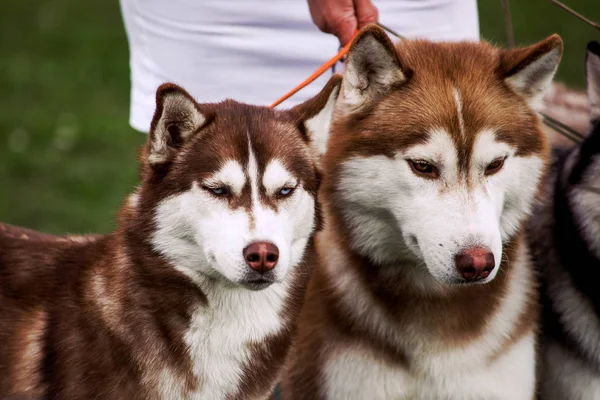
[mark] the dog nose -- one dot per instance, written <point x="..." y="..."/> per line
<point x="475" y="263"/>
<point x="261" y="256"/>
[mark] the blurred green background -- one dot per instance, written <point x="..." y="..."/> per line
<point x="67" y="153"/>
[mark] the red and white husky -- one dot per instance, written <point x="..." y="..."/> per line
<point x="424" y="288"/>
<point x="195" y="295"/>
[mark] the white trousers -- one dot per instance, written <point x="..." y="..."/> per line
<point x="255" y="51"/>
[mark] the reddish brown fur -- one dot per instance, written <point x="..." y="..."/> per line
<point x="404" y="116"/>
<point x="399" y="119"/>
<point x="100" y="316"/>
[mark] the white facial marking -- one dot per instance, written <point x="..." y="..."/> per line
<point x="230" y="175"/>
<point x="430" y="221"/>
<point x="458" y="101"/>
<point x="253" y="175"/>
<point x="203" y="236"/>
<point x="276" y="176"/>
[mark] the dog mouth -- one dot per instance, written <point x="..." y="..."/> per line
<point x="257" y="284"/>
<point x="465" y="282"/>
<point x="254" y="280"/>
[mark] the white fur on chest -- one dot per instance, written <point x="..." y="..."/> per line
<point x="437" y="369"/>
<point x="356" y="374"/>
<point x="221" y="335"/>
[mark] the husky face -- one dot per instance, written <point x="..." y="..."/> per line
<point x="581" y="175"/>
<point x="423" y="206"/>
<point x="436" y="155"/>
<point x="232" y="187"/>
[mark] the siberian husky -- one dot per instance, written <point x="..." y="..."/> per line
<point x="424" y="288"/>
<point x="565" y="239"/>
<point x="195" y="295"/>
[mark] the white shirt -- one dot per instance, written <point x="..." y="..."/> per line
<point x="255" y="51"/>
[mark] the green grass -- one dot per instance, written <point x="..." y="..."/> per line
<point x="67" y="153"/>
<point x="534" y="20"/>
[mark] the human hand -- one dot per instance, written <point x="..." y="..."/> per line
<point x="342" y="17"/>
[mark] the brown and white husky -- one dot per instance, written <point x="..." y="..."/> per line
<point x="424" y="288"/>
<point x="195" y="295"/>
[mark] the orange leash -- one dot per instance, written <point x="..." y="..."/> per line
<point x="323" y="68"/>
<point x="320" y="71"/>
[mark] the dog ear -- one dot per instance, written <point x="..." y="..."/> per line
<point x="529" y="70"/>
<point x="592" y="72"/>
<point x="176" y="119"/>
<point x="316" y="113"/>
<point x="372" y="67"/>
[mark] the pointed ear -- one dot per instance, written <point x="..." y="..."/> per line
<point x="372" y="67"/>
<point x="592" y="72"/>
<point x="317" y="112"/>
<point x="176" y="119"/>
<point x="529" y="70"/>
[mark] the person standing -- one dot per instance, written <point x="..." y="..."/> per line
<point x="255" y="51"/>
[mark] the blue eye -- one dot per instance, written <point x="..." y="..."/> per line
<point x="217" y="191"/>
<point x="286" y="191"/>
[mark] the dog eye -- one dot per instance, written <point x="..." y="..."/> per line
<point x="285" y="191"/>
<point x="494" y="166"/>
<point x="217" y="191"/>
<point x="424" y="169"/>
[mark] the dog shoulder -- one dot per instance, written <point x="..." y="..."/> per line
<point x="28" y="259"/>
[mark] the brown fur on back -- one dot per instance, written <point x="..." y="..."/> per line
<point x="70" y="320"/>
